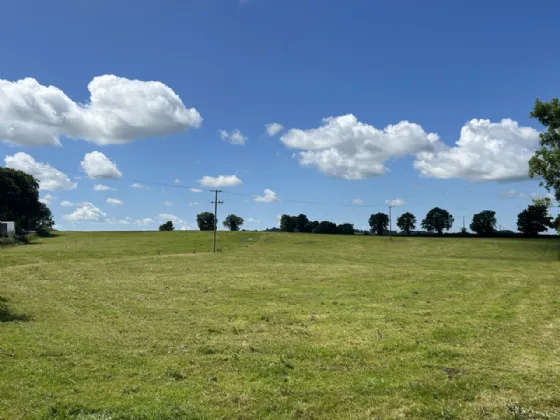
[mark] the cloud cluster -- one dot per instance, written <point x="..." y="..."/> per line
<point x="273" y="128"/>
<point x="96" y="165"/>
<point x="220" y="181"/>
<point x="180" y="223"/>
<point x="485" y="151"/>
<point x="119" y="111"/>
<point x="87" y="212"/>
<point x="397" y="202"/>
<point x="138" y="222"/>
<point x="235" y="137"/>
<point x="345" y="148"/>
<point x="269" y="196"/>
<point x="50" y="179"/>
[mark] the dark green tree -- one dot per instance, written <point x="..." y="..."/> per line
<point x="233" y="222"/>
<point x="534" y="219"/>
<point x="327" y="228"/>
<point x="167" y="226"/>
<point x="484" y="223"/>
<point x="406" y="222"/>
<point x="287" y="223"/>
<point x="205" y="220"/>
<point x="19" y="201"/>
<point x="379" y="223"/>
<point x="302" y="224"/>
<point x="437" y="220"/>
<point x="346" y="229"/>
<point x="556" y="224"/>
<point x="546" y="161"/>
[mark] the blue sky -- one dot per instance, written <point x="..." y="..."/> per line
<point x="425" y="69"/>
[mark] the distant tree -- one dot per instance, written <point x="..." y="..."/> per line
<point x="287" y="223"/>
<point x="379" y="223"/>
<point x="233" y="222"/>
<point x="546" y="161"/>
<point x="167" y="227"/>
<point x="438" y="220"/>
<point x="19" y="201"/>
<point x="327" y="228"/>
<point x="205" y="220"/>
<point x="346" y="229"/>
<point x="406" y="222"/>
<point x="534" y="219"/>
<point x="302" y="224"/>
<point x="556" y="224"/>
<point x="484" y="223"/>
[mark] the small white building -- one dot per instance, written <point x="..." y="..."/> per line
<point x="7" y="228"/>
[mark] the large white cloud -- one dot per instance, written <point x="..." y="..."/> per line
<point x="345" y="148"/>
<point x="485" y="151"/>
<point x="50" y="179"/>
<point x="219" y="181"/>
<point x="269" y="196"/>
<point x="119" y="111"/>
<point x="87" y="212"/>
<point x="96" y="165"/>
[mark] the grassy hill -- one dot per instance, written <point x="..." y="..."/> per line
<point x="149" y="325"/>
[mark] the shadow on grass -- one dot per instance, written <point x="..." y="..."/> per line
<point x="8" y="316"/>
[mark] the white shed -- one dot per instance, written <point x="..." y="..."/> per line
<point x="7" y="228"/>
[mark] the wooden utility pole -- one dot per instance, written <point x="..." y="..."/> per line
<point x="216" y="202"/>
<point x="390" y="223"/>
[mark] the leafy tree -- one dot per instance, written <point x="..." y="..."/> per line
<point x="534" y="219"/>
<point x="205" y="220"/>
<point x="346" y="229"/>
<point x="287" y="223"/>
<point x="19" y="201"/>
<point x="167" y="227"/>
<point x="546" y="161"/>
<point x="438" y="220"/>
<point x="406" y="222"/>
<point x="484" y="223"/>
<point x="326" y="227"/>
<point x="556" y="224"/>
<point x="233" y="222"/>
<point x="379" y="223"/>
<point x="302" y="223"/>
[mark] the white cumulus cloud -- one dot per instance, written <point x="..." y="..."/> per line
<point x="220" y="181"/>
<point x="136" y="185"/>
<point x="235" y="137"/>
<point x="344" y="147"/>
<point x="357" y="201"/>
<point x="251" y="220"/>
<point x="269" y="196"/>
<point x="87" y="212"/>
<point x="397" y="202"/>
<point x="274" y="128"/>
<point x="50" y="179"/>
<point x="46" y="200"/>
<point x="119" y="111"/>
<point x="101" y="187"/>
<point x="485" y="151"/>
<point x="97" y="165"/>
<point x="113" y="201"/>
<point x="66" y="203"/>
<point x="139" y="222"/>
<point x="196" y="190"/>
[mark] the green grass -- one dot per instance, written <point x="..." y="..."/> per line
<point x="135" y="325"/>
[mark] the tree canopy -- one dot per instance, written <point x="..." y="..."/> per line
<point x="288" y="223"/>
<point x="346" y="229"/>
<point x="167" y="226"/>
<point x="534" y="220"/>
<point x="205" y="220"/>
<point x="233" y="222"/>
<point x="379" y="223"/>
<point x="19" y="201"/>
<point x="406" y="222"/>
<point x="438" y="220"/>
<point x="484" y="223"/>
<point x="546" y="161"/>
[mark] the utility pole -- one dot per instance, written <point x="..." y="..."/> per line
<point x="390" y="223"/>
<point x="216" y="202"/>
<point x="463" y="223"/>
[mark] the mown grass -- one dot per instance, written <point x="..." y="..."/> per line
<point x="136" y="325"/>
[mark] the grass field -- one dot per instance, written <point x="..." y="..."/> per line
<point x="136" y="325"/>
